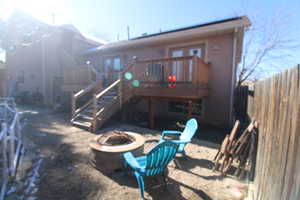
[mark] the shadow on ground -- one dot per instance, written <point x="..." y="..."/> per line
<point x="66" y="177"/>
<point x="155" y="187"/>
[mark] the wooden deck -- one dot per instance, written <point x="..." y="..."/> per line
<point x="169" y="79"/>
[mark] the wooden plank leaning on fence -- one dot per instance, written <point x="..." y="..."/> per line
<point x="223" y="156"/>
<point x="241" y="150"/>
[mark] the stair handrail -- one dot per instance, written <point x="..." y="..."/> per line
<point x="96" y="97"/>
<point x="79" y="94"/>
<point x="86" y="90"/>
<point x="103" y="92"/>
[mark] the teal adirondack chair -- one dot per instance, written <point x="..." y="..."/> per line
<point x="151" y="164"/>
<point x="185" y="135"/>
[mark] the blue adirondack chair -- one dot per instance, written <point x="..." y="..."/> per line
<point x="151" y="164"/>
<point x="185" y="135"/>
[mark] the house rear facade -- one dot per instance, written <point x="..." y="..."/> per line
<point x="180" y="73"/>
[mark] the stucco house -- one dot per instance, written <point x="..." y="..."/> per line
<point x="184" y="72"/>
<point x="37" y="54"/>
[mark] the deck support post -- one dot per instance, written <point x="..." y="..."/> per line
<point x="94" y="125"/>
<point x="190" y="109"/>
<point x="151" y="113"/>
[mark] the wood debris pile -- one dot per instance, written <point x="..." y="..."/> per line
<point x="241" y="150"/>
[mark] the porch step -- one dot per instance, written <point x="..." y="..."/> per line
<point x="85" y="117"/>
<point x="82" y="123"/>
<point x="109" y="97"/>
<point x="107" y="105"/>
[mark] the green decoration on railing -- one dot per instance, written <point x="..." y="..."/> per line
<point x="128" y="75"/>
<point x="136" y="83"/>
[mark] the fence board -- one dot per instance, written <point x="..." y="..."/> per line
<point x="276" y="106"/>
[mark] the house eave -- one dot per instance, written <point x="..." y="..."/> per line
<point x="197" y="32"/>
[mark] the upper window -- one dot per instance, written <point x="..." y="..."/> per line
<point x="117" y="63"/>
<point x="195" y="51"/>
<point x="188" y="51"/>
<point x="177" y="53"/>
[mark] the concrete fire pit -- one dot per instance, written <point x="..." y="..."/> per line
<point x="107" y="149"/>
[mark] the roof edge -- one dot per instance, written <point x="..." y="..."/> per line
<point x="226" y="24"/>
<point x="245" y="20"/>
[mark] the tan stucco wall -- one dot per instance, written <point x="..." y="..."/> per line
<point x="30" y="60"/>
<point x="218" y="51"/>
<point x="33" y="58"/>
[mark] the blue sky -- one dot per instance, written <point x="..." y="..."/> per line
<point x="107" y="19"/>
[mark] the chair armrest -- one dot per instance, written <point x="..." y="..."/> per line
<point x="164" y="133"/>
<point x="181" y="141"/>
<point x="130" y="159"/>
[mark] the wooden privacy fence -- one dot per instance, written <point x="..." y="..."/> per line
<point x="275" y="105"/>
<point x="10" y="142"/>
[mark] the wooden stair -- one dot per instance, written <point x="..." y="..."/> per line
<point x="104" y="104"/>
<point x="85" y="118"/>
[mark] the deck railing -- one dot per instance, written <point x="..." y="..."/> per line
<point x="186" y="70"/>
<point x="11" y="142"/>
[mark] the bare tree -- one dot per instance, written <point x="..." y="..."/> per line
<point x="267" y="48"/>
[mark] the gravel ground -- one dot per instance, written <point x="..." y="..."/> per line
<point x="65" y="172"/>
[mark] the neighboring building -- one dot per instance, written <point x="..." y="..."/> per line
<point x="37" y="55"/>
<point x="202" y="58"/>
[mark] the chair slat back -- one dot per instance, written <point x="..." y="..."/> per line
<point x="159" y="157"/>
<point x="190" y="130"/>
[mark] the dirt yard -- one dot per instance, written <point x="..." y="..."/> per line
<point x="65" y="172"/>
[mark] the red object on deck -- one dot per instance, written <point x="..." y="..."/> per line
<point x="172" y="80"/>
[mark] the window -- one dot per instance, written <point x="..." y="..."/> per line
<point x="177" y="66"/>
<point x="178" y="107"/>
<point x="182" y="107"/>
<point x="198" y="108"/>
<point x="196" y="51"/>
<point x="107" y="67"/>
<point x="117" y="63"/>
<point x="193" y="51"/>
<point x="112" y="67"/>
<point x="113" y="63"/>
